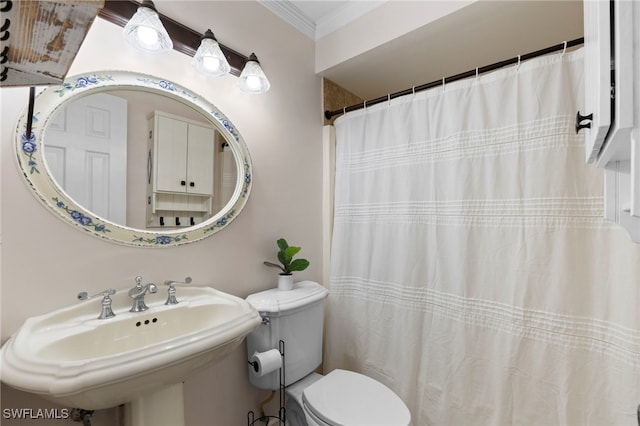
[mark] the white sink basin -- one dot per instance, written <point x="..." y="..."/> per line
<point x="76" y="360"/>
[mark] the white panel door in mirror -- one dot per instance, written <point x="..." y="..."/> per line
<point x="89" y="140"/>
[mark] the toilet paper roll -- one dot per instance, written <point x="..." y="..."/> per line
<point x="265" y="362"/>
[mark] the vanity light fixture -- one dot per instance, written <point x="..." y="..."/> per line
<point x="252" y="79"/>
<point x="171" y="34"/>
<point x="145" y="31"/>
<point x="209" y="58"/>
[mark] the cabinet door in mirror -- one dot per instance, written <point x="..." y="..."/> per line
<point x="103" y="144"/>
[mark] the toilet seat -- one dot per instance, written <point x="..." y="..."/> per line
<point x="346" y="398"/>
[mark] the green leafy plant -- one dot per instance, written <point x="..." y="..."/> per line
<point x="285" y="256"/>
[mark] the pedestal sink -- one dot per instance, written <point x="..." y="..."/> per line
<point x="76" y="360"/>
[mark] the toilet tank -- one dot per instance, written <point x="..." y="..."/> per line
<point x="295" y="317"/>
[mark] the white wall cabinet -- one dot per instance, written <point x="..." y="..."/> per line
<point x="611" y="119"/>
<point x="180" y="171"/>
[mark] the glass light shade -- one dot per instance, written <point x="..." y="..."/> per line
<point x="252" y="79"/>
<point x="209" y="58"/>
<point x="145" y="31"/>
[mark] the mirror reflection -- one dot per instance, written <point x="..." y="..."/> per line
<point x="143" y="161"/>
<point x="139" y="159"/>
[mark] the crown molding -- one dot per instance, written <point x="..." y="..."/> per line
<point x="291" y="14"/>
<point x="341" y="16"/>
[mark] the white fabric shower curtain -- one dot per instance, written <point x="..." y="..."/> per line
<point x="471" y="269"/>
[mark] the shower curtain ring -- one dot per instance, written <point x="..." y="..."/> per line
<point x="518" y="66"/>
<point x="388" y="99"/>
<point x="565" y="49"/>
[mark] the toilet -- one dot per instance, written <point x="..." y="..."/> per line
<point x="340" y="398"/>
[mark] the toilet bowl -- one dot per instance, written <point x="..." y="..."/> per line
<point x="343" y="398"/>
<point x="293" y="323"/>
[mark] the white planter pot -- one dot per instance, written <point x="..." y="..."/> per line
<point x="285" y="282"/>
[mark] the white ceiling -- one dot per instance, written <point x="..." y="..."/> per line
<point x="480" y="34"/>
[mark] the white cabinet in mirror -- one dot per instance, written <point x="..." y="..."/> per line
<point x="101" y="159"/>
<point x="187" y="174"/>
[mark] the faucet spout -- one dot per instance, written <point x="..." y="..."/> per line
<point x="138" y="292"/>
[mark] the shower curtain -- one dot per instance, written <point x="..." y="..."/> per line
<point x="471" y="269"/>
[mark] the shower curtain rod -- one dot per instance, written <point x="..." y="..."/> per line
<point x="471" y="73"/>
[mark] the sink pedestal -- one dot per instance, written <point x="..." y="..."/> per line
<point x="164" y="407"/>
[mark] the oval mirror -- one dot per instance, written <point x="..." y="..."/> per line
<point x="134" y="159"/>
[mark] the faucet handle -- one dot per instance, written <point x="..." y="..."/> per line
<point x="187" y="280"/>
<point x="106" y="312"/>
<point x="83" y="295"/>
<point x="171" y="291"/>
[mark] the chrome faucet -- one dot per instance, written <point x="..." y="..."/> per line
<point x="171" y="291"/>
<point x="106" y="312"/>
<point x="138" y="292"/>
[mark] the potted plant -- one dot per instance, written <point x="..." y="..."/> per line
<point x="287" y="264"/>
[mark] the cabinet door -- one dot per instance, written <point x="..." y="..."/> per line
<point x="171" y="154"/>
<point x="597" y="74"/>
<point x="200" y="160"/>
<point x="617" y="145"/>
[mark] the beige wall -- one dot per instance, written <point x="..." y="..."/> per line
<point x="335" y="97"/>
<point x="45" y="262"/>
<point x="387" y="22"/>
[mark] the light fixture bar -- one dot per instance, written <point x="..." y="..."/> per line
<point x="185" y="40"/>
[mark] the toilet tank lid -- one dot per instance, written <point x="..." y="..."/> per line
<point x="276" y="301"/>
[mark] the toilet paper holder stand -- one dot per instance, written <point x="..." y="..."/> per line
<point x="282" y="415"/>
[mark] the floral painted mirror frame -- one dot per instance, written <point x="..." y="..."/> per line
<point x="30" y="156"/>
